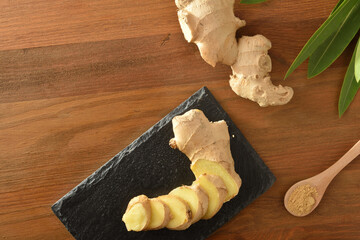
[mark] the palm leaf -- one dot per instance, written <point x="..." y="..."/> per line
<point x="350" y="85"/>
<point x="357" y="63"/>
<point x="337" y="5"/>
<point x="326" y="29"/>
<point x="332" y="47"/>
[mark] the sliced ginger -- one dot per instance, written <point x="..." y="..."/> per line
<point x="160" y="214"/>
<point x="137" y="215"/>
<point x="229" y="177"/>
<point x="207" y="145"/>
<point x="195" y="197"/>
<point x="216" y="190"/>
<point x="179" y="210"/>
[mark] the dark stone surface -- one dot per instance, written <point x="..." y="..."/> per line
<point x="94" y="208"/>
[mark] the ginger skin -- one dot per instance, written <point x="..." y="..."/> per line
<point x="211" y="25"/>
<point x="198" y="138"/>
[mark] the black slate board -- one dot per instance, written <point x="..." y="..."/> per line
<point x="93" y="209"/>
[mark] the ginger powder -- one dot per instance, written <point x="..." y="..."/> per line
<point x="302" y="199"/>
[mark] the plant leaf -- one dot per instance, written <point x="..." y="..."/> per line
<point x="357" y="62"/>
<point x="326" y="29"/>
<point x="337" y="5"/>
<point x="350" y="85"/>
<point x="332" y="47"/>
<point x="252" y="1"/>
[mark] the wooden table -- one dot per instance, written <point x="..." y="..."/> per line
<point x="80" y="80"/>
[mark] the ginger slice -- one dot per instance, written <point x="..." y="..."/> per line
<point x="160" y="214"/>
<point x="195" y="197"/>
<point x="215" y="188"/>
<point x="179" y="210"/>
<point x="230" y="178"/>
<point x="137" y="214"/>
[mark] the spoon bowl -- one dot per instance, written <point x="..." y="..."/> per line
<point x="317" y="197"/>
<point x="322" y="180"/>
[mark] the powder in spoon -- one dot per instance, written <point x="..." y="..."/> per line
<point x="302" y="199"/>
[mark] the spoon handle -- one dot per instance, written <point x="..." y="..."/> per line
<point x="334" y="169"/>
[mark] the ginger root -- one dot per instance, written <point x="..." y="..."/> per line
<point x="211" y="25"/>
<point x="251" y="77"/>
<point x="198" y="138"/>
<point x="207" y="145"/>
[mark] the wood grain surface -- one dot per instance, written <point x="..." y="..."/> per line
<point x="80" y="80"/>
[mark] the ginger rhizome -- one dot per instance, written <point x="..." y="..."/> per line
<point x="207" y="145"/>
<point x="211" y="25"/>
<point x="251" y="77"/>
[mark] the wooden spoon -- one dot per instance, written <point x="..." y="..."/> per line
<point x="323" y="179"/>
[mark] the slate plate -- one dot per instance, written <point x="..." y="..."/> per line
<point x="93" y="209"/>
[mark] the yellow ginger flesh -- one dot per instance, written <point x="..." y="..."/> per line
<point x="159" y="214"/>
<point x="195" y="197"/>
<point x="135" y="218"/>
<point x="230" y="178"/>
<point x="216" y="190"/>
<point x="137" y="215"/>
<point x="179" y="210"/>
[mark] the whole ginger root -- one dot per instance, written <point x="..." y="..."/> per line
<point x="211" y="25"/>
<point x="251" y="77"/>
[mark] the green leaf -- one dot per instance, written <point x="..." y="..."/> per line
<point x="332" y="47"/>
<point x="337" y="5"/>
<point x="357" y="63"/>
<point x="326" y="29"/>
<point x="252" y="1"/>
<point x="350" y="85"/>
